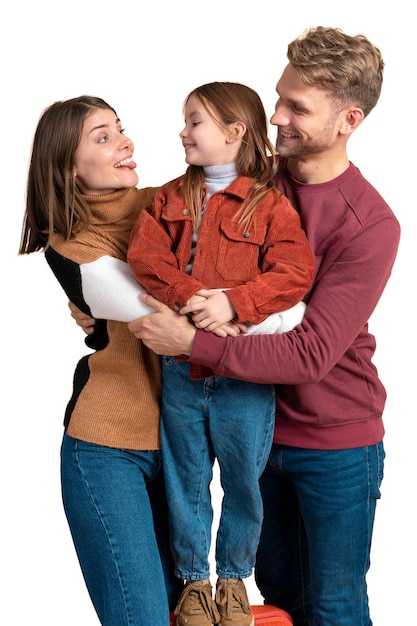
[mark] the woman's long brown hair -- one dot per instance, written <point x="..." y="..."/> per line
<point x="53" y="201"/>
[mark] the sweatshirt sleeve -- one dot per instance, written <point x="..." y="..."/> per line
<point x="341" y="302"/>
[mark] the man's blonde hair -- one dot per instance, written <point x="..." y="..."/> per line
<point x="349" y="67"/>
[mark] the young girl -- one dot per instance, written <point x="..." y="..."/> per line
<point x="223" y="240"/>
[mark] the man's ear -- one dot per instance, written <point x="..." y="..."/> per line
<point x="237" y="131"/>
<point x="353" y="117"/>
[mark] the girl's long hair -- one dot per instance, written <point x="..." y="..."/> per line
<point x="227" y="103"/>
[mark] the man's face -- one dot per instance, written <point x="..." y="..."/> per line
<point x="306" y="117"/>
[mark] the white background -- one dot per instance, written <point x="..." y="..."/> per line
<point x="144" y="58"/>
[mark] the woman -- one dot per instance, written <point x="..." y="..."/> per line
<point x="81" y="205"/>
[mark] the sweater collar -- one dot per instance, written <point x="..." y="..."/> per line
<point x="113" y="208"/>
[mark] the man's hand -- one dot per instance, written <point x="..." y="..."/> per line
<point x="82" y="319"/>
<point x="165" y="331"/>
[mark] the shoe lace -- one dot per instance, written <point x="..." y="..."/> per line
<point x="232" y="597"/>
<point x="198" y="597"/>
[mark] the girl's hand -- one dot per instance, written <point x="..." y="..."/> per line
<point x="210" y="312"/>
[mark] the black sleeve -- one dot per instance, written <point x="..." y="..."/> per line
<point x="68" y="274"/>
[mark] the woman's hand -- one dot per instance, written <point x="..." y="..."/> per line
<point x="82" y="319"/>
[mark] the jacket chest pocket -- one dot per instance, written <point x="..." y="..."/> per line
<point x="239" y="256"/>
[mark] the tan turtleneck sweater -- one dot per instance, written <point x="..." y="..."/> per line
<point x="117" y="389"/>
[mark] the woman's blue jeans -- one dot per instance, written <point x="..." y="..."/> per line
<point x="202" y="420"/>
<point x="116" y="508"/>
<point x="314" y="552"/>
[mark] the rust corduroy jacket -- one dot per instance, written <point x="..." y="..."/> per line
<point x="267" y="268"/>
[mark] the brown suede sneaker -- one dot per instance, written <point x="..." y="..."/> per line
<point x="233" y="604"/>
<point x="196" y="606"/>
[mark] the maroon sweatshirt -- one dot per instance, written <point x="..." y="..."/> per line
<point x="329" y="395"/>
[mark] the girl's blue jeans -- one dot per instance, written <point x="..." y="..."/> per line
<point x="202" y="420"/>
<point x="115" y="503"/>
<point x="315" y="545"/>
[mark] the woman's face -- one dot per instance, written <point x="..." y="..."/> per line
<point x="103" y="160"/>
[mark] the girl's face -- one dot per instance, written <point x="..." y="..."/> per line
<point x="103" y="160"/>
<point x="205" y="141"/>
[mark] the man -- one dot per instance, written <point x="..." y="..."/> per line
<point x="322" y="481"/>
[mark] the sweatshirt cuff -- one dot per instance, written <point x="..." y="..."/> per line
<point x="207" y="349"/>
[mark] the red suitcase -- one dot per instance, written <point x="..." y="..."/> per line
<point x="265" y="615"/>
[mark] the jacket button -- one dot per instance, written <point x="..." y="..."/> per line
<point x="186" y="211"/>
<point x="246" y="234"/>
<point x="177" y="306"/>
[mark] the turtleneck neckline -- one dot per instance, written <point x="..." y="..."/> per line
<point x="218" y="172"/>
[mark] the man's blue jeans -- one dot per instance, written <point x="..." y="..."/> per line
<point x="232" y="421"/>
<point x="314" y="552"/>
<point x="116" y="508"/>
